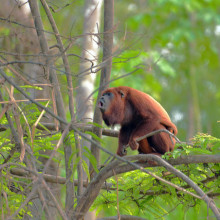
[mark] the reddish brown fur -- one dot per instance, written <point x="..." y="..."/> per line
<point x="138" y="114"/>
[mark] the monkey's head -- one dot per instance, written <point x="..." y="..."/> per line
<point x="112" y="105"/>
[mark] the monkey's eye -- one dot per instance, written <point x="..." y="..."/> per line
<point x="121" y="93"/>
<point x="108" y="94"/>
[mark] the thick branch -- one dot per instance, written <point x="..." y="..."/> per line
<point x="179" y="161"/>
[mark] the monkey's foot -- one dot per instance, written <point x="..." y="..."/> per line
<point x="122" y="151"/>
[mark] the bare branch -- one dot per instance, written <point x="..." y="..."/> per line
<point x="178" y="161"/>
<point x="62" y="213"/>
<point x="16" y="73"/>
<point x="7" y="20"/>
<point x="44" y="204"/>
<point x="19" y="172"/>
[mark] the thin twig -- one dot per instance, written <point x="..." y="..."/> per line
<point x="116" y="178"/>
<point x="44" y="204"/>
<point x="62" y="213"/>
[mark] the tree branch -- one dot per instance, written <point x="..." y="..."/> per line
<point x="178" y="161"/>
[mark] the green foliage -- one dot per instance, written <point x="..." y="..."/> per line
<point x="142" y="195"/>
<point x="43" y="140"/>
<point x="208" y="142"/>
<point x="201" y="144"/>
<point x="94" y="136"/>
<point x="14" y="187"/>
<point x="14" y="199"/>
<point x="87" y="153"/>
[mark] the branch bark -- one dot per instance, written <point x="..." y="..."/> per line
<point x="178" y="161"/>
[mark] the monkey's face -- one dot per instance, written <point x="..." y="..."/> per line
<point x="111" y="105"/>
<point x="105" y="101"/>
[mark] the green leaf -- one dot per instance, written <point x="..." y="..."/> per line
<point x="91" y="158"/>
<point x="71" y="158"/>
<point x="95" y="124"/>
<point x="86" y="169"/>
<point x="94" y="136"/>
<point x="31" y="87"/>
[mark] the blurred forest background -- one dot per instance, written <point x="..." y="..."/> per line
<point x="169" y="49"/>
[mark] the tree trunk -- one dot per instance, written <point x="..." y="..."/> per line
<point x="106" y="71"/>
<point x="92" y="11"/>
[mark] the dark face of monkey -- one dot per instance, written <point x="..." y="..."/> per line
<point x="105" y="101"/>
<point x="111" y="105"/>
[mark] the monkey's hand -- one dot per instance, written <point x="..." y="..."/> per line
<point x="133" y="144"/>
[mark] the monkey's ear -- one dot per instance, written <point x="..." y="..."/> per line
<point x="122" y="93"/>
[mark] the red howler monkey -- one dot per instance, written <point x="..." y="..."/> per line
<point x="138" y="114"/>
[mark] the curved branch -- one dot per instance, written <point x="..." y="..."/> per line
<point x="156" y="132"/>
